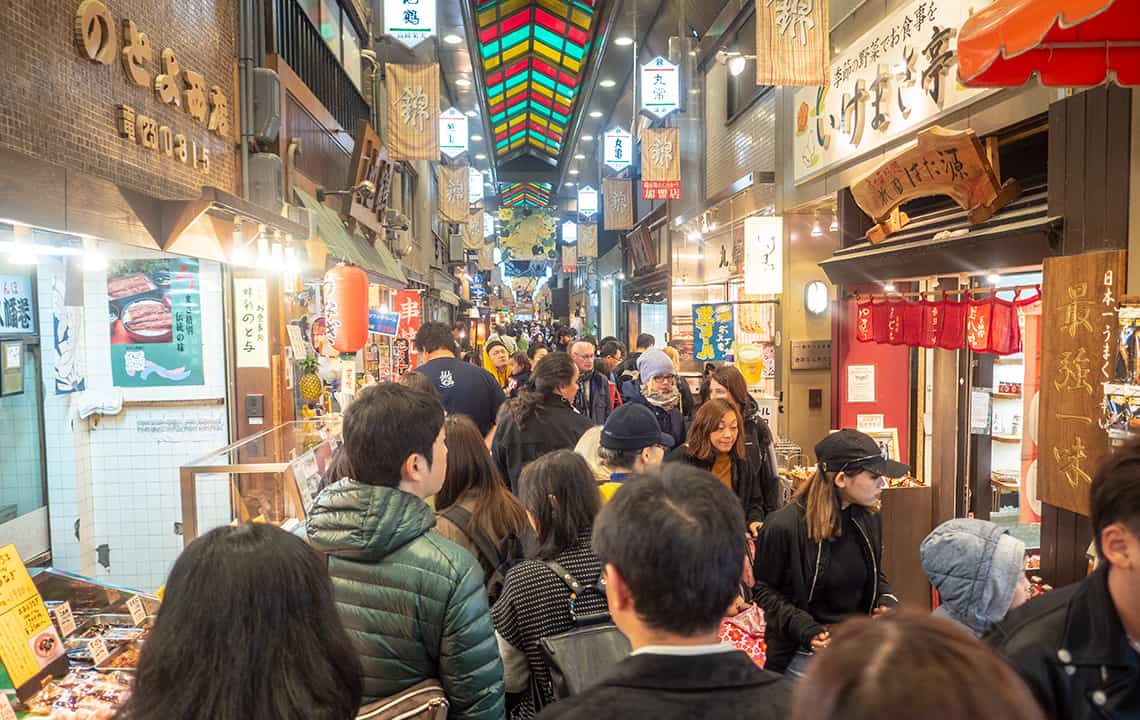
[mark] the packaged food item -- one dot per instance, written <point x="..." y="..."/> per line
<point x="82" y="694"/>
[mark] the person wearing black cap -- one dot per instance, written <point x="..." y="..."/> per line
<point x="819" y="558"/>
<point x="631" y="442"/>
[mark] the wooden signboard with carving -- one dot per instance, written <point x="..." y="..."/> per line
<point x="942" y="163"/>
<point x="1078" y="319"/>
<point x="369" y="163"/>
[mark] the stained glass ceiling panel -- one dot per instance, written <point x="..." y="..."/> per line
<point x="519" y="194"/>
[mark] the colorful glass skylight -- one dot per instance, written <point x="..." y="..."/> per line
<point x="533" y="54"/>
<point x="520" y="194"/>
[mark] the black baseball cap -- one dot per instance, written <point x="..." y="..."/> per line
<point x="633" y="427"/>
<point x="850" y="450"/>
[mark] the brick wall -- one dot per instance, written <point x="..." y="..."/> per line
<point x="57" y="106"/>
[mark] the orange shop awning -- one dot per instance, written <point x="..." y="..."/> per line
<point x="1068" y="43"/>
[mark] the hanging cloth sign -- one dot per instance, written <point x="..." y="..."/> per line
<point x="413" y="112"/>
<point x="453" y="193"/>
<point x="792" y="43"/>
<point x="912" y="324"/>
<point x="953" y="324"/>
<point x="569" y="258"/>
<point x="473" y="232"/>
<point x="487" y="256"/>
<point x="932" y="317"/>
<point x="588" y="240"/>
<point x="618" y="198"/>
<point x="661" y="164"/>
<point x="895" y="322"/>
<point x="864" y="323"/>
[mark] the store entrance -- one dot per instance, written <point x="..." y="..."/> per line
<point x="23" y="480"/>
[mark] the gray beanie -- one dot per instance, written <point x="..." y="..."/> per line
<point x="652" y="363"/>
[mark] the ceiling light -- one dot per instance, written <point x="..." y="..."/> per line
<point x="607" y="83"/>
<point x="816" y="229"/>
<point x="452" y="39"/>
<point x="623" y="41"/>
<point x="579" y="156"/>
<point x="889" y="287"/>
<point x="480" y="156"/>
<point x="570" y="183"/>
<point x="476" y="138"/>
<point x="587" y="138"/>
<point x="574" y="171"/>
<point x="736" y="65"/>
<point x="993" y="278"/>
<point x="693" y="236"/>
<point x="596" y="113"/>
<point x="462" y="82"/>
<point x="834" y="225"/>
<point x="472" y="113"/>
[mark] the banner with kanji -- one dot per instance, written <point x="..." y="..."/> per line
<point x="487" y="256"/>
<point x="410" y="308"/>
<point x="569" y="258"/>
<point x="473" y="231"/>
<point x="453" y="194"/>
<point x="792" y="43"/>
<point x="618" y="198"/>
<point x="713" y="332"/>
<point x="661" y="164"/>
<point x="588" y="240"/>
<point x="413" y="112"/>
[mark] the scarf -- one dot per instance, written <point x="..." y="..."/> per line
<point x="668" y="400"/>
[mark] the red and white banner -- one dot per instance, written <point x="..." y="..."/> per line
<point x="661" y="164"/>
<point x="410" y="308"/>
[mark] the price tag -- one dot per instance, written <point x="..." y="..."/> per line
<point x="98" y="649"/>
<point x="138" y="612"/>
<point x="6" y="711"/>
<point x="65" y="619"/>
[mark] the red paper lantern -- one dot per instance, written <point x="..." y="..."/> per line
<point x="912" y="323"/>
<point x="346" y="308"/>
<point x="953" y="324"/>
<point x="864" y="332"/>
<point x="932" y="317"/>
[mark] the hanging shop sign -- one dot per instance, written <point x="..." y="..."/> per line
<point x="661" y="164"/>
<point x="588" y="240"/>
<point x="453" y="206"/>
<point x="383" y="323"/>
<point x="792" y="43"/>
<point x="410" y="308"/>
<point x="252" y="326"/>
<point x="486" y="257"/>
<point x="1080" y="301"/>
<point x="660" y="87"/>
<point x="370" y="163"/>
<point x="642" y="249"/>
<point x="31" y="649"/>
<point x="943" y="162"/>
<point x="713" y="332"/>
<point x="617" y="149"/>
<point x="473" y="231"/>
<point x="488" y="225"/>
<point x="569" y="232"/>
<point x="413" y="111"/>
<point x="156" y="323"/>
<point x="587" y="201"/>
<point x="346" y="308"/>
<point x="453" y="133"/>
<point x="409" y="21"/>
<point x="763" y="255"/>
<point x="474" y="186"/>
<point x="97" y="40"/>
<point x="16" y="306"/>
<point x="569" y="258"/>
<point x="618" y="197"/>
<point x="895" y="78"/>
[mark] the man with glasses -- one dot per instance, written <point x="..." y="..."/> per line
<point x="593" y="399"/>
<point x="656" y="388"/>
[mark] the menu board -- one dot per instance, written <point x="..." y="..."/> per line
<point x="30" y="646"/>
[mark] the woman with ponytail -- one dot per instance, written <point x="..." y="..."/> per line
<point x="541" y="419"/>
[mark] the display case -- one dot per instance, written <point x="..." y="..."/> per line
<point x="269" y="477"/>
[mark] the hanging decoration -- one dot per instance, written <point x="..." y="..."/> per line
<point x="473" y="231"/>
<point x="409" y="21"/>
<point x="569" y="232"/>
<point x="528" y="233"/>
<point x="452" y="193"/>
<point x="661" y="164"/>
<point x="413" y="112"/>
<point x="588" y="240"/>
<point x="452" y="133"/>
<point x="986" y="324"/>
<point x="660" y="87"/>
<point x="618" y="198"/>
<point x="618" y="149"/>
<point x="487" y="256"/>
<point x="346" y="308"/>
<point x="474" y="186"/>
<point x="792" y="45"/>
<point x="569" y="258"/>
<point x="587" y="201"/>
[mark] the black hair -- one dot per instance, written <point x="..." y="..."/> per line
<point x="609" y="338"/>
<point x="383" y="426"/>
<point x="535" y="347"/>
<point x="1115" y="493"/>
<point x="560" y="492"/>
<point x="555" y="370"/>
<point x="645" y="341"/>
<point x="434" y="336"/>
<point x="609" y="349"/>
<point x="248" y="630"/>
<point x="676" y="537"/>
<point x="618" y="459"/>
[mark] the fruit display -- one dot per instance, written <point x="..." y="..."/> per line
<point x="310" y="385"/>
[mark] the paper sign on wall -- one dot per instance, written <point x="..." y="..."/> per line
<point x="763" y="255"/>
<point x="866" y="423"/>
<point x="30" y="646"/>
<point x="860" y="383"/>
<point x="252" y="326"/>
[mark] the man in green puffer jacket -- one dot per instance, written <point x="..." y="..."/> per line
<point x="412" y="601"/>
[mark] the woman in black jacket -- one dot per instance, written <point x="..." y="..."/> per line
<point x="715" y="443"/>
<point x="541" y="419"/>
<point x="819" y="558"/>
<point x="727" y="383"/>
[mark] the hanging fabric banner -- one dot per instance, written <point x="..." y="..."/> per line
<point x="618" y="197"/>
<point x="413" y="112"/>
<point x="792" y="43"/>
<point x="473" y="232"/>
<point x="661" y="164"/>
<point x="588" y="240"/>
<point x="569" y="258"/>
<point x="453" y="194"/>
<point x="487" y="256"/>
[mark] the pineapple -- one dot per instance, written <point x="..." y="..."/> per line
<point x="310" y="384"/>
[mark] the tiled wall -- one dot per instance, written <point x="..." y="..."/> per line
<point x="746" y="145"/>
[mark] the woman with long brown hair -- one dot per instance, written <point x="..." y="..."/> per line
<point x="819" y="558"/>
<point x="474" y="509"/>
<point x="716" y="444"/>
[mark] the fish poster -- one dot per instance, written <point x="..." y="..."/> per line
<point x="155" y="315"/>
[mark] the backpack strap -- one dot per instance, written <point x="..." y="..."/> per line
<point x="576" y="589"/>
<point x="461" y="518"/>
<point x="565" y="576"/>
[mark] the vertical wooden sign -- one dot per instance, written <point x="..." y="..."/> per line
<point x="1080" y="298"/>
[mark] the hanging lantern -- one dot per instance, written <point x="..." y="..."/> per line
<point x="346" y="308"/>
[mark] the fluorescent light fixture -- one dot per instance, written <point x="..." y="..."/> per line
<point x="574" y="171"/>
<point x="993" y="278"/>
<point x="462" y="82"/>
<point x="579" y="156"/>
<point x="623" y="41"/>
<point x="480" y="156"/>
<point x="570" y="183"/>
<point x="596" y="113"/>
<point x="736" y="65"/>
<point x="607" y="83"/>
<point x="889" y="287"/>
<point x="587" y="138"/>
<point x="476" y="138"/>
<point x="452" y="39"/>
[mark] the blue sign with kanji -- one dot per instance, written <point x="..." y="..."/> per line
<point x="383" y="323"/>
<point x="713" y="332"/>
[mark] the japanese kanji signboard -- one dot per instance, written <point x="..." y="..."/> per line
<point x="453" y="203"/>
<point x="413" y="112"/>
<point x="17" y="315"/>
<point x="588" y="240"/>
<point x="618" y="198"/>
<point x="660" y="87"/>
<point x="369" y="162"/>
<point x="713" y="332"/>
<point x="661" y="164"/>
<point x="252" y="327"/>
<point x="474" y="186"/>
<point x="409" y="21"/>
<point x="1080" y="299"/>
<point x="792" y="42"/>
<point x="618" y="149"/>
<point x="894" y="79"/>
<point x="942" y="163"/>
<point x="453" y="133"/>
<point x="410" y="308"/>
<point x="473" y="231"/>
<point x="569" y="258"/>
<point x="587" y="201"/>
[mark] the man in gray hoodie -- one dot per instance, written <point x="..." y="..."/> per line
<point x="979" y="571"/>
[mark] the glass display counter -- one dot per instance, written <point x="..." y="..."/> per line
<point x="269" y="477"/>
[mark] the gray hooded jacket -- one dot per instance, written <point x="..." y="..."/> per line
<point x="974" y="565"/>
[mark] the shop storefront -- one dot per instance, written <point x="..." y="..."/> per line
<point x="645" y="290"/>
